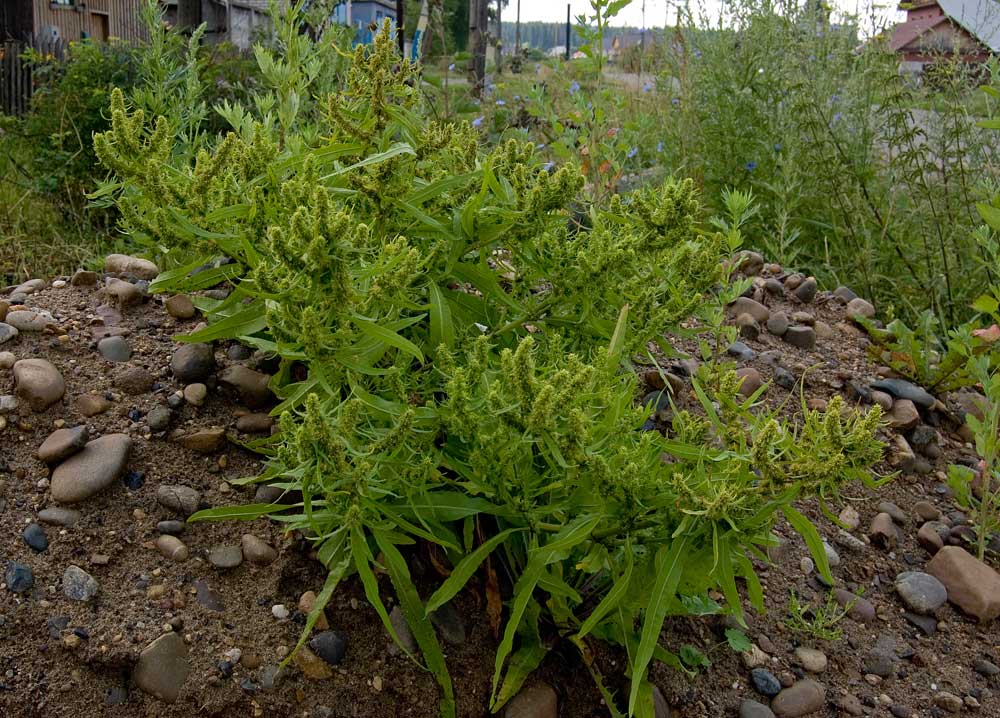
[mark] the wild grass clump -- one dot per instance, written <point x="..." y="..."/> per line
<point x="455" y="367"/>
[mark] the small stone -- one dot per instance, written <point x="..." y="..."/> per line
<point x="34" y="536"/>
<point x="29" y="320"/>
<point x="753" y="709"/>
<point x="883" y="399"/>
<point x="902" y="389"/>
<point x="861" y="609"/>
<point x="78" y="585"/>
<point x="898" y="515"/>
<point x="172" y="548"/>
<point x="930" y="538"/>
<point x="92" y="470"/>
<point x="985" y="668"/>
<point x="972" y="585"/>
<point x="921" y="592"/>
<point x="180" y="306"/>
<point x="948" y="701"/>
<point x="307" y="601"/>
<point x="904" y="415"/>
<point x="806" y="291"/>
<point x="182" y="499"/>
<point x="174" y="528"/>
<point x="134" y="380"/>
<point x="163" y="667"/>
<point x="91" y="404"/>
<point x="83" y="278"/>
<point x="748" y="327"/>
<point x="858" y="307"/>
<point x="114" y="349"/>
<point x="813" y="660"/>
<point x="59" y="517"/>
<point x="755" y="657"/>
<point x="254" y="423"/>
<point x="749" y="263"/>
<point x="330" y="646"/>
<point x="806" y="565"/>
<point x="18" y="577"/>
<point x="193" y="362"/>
<point x="122" y="293"/>
<point x="844" y="294"/>
<point x="751" y="380"/>
<point x="926" y="511"/>
<point x="7" y="332"/>
<point x="449" y="624"/>
<point x="204" y="441"/>
<point x="251" y="386"/>
<point x="773" y="286"/>
<point x="225" y="556"/>
<point x="538" y="700"/>
<point x="208" y="597"/>
<point x="279" y="611"/>
<point x="850" y="704"/>
<point x="195" y="394"/>
<point x="741" y="351"/>
<point x="257" y="551"/>
<point x="159" y="417"/>
<point x="130" y="266"/>
<point x="312" y="666"/>
<point x="927" y="624"/>
<point x="38" y="383"/>
<point x="850" y="517"/>
<point x="764" y="682"/>
<point x="63" y="443"/>
<point x="777" y="324"/>
<point x="883" y="531"/>
<point x="804" y="697"/>
<point x="800" y="336"/>
<point x="744" y="305"/>
<point x="402" y="628"/>
<point x="7" y="360"/>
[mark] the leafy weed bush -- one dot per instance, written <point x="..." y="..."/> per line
<point x="455" y="361"/>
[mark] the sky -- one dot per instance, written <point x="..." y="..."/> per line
<point x="656" y="10"/>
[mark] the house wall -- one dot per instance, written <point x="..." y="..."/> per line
<point x="245" y="25"/>
<point x="16" y="17"/>
<point x="946" y="38"/>
<point x="121" y="18"/>
<point x="926" y="11"/>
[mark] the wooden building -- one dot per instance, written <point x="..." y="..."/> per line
<point x="936" y="29"/>
<point x="69" y="20"/>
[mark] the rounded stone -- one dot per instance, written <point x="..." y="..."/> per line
<point x="753" y="709"/>
<point x="134" y="380"/>
<point x="257" y="551"/>
<point x="63" y="443"/>
<point x="55" y="516"/>
<point x="172" y="548"/>
<point x="163" y="667"/>
<point x="858" y="307"/>
<point x="39" y="383"/>
<point x="813" y="660"/>
<point x="802" y="698"/>
<point x="34" y="536"/>
<point x="193" y="362"/>
<point x="765" y="682"/>
<point x="78" y="585"/>
<point x="130" y="266"/>
<point x="182" y="499"/>
<point x="171" y="527"/>
<point x="114" y="349"/>
<point x="538" y="700"/>
<point x="180" y="306"/>
<point x="223" y="556"/>
<point x="195" y="394"/>
<point x="921" y="592"/>
<point x="93" y="469"/>
<point x="254" y="423"/>
<point x="330" y="646"/>
<point x="18" y="577"/>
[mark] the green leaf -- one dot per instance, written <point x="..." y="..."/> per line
<point x="738" y="640"/>
<point x="246" y="512"/>
<point x="985" y="304"/>
<point x="388" y="336"/>
<point x="619" y="589"/>
<point x="362" y="557"/>
<point x="243" y="323"/>
<point x="442" y="327"/>
<point x="399" y="148"/>
<point x="524" y="660"/>
<point x="669" y="567"/>
<point x="417" y="620"/>
<point x="461" y="574"/>
<point x="810" y="535"/>
<point x="990" y="214"/>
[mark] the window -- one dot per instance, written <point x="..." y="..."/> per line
<point x="64" y="3"/>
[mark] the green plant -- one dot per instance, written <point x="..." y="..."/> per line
<point x="820" y="621"/>
<point x="592" y="30"/>
<point x="456" y="369"/>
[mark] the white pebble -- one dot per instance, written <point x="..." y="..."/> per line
<point x="279" y="611"/>
<point x="807" y="565"/>
<point x="59" y="284"/>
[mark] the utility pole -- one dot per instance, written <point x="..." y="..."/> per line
<point x="477" y="44"/>
<point x="400" y="27"/>
<point x="499" y="42"/>
<point x="568" y="53"/>
<point x="517" y="31"/>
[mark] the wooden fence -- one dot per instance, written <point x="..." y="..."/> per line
<point x="16" y="81"/>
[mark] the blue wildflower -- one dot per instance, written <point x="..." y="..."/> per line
<point x="659" y="146"/>
<point x="478" y="121"/>
<point x="751" y="166"/>
<point x="548" y="166"/>
<point x="500" y="103"/>
<point x="517" y="98"/>
<point x="647" y="87"/>
<point x="837" y="118"/>
<point x="777" y="147"/>
<point x="451" y="67"/>
<point x="574" y="87"/>
<point x="540" y="146"/>
<point x="675" y="102"/>
<point x="633" y="152"/>
<point x="538" y="67"/>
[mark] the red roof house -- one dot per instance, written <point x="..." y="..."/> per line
<point x="969" y="29"/>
